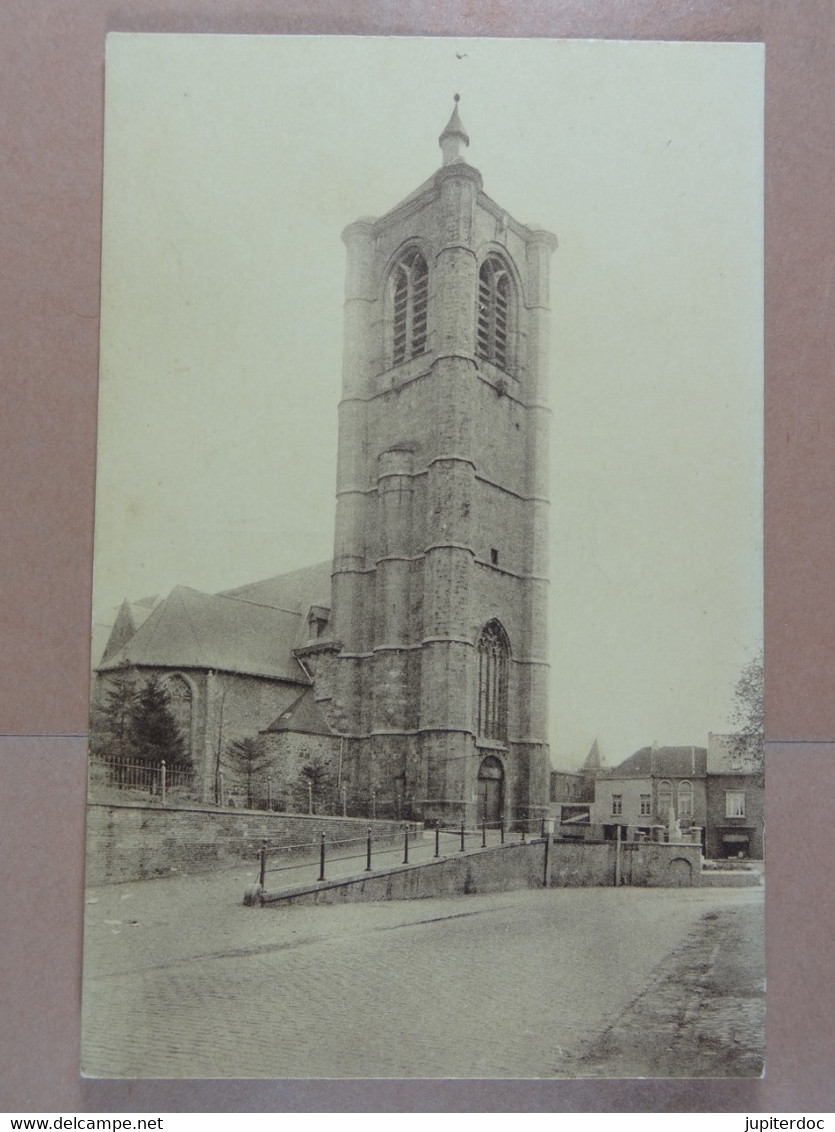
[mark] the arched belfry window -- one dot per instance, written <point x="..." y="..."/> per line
<point x="495" y="312"/>
<point x="493" y="658"/>
<point x="409" y="283"/>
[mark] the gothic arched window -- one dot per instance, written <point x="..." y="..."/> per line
<point x="180" y="700"/>
<point x="493" y="657"/>
<point x="409" y="283"/>
<point x="495" y="312"/>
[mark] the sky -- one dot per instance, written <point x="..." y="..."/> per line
<point x="231" y="166"/>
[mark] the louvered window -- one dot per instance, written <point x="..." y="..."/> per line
<point x="410" y="294"/>
<point x="493" y="657"/>
<point x="495" y="311"/>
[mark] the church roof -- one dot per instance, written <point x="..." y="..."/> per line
<point x="663" y="762"/>
<point x="295" y="592"/>
<point x="303" y="714"/>
<point x="123" y="629"/>
<point x="252" y="630"/>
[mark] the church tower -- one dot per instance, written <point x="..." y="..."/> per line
<point x="436" y="669"/>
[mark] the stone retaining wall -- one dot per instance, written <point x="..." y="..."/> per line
<point x="135" y="842"/>
<point x="502" y="868"/>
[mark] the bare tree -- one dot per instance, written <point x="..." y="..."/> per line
<point x="748" y="712"/>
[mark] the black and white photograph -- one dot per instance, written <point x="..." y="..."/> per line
<point x="426" y="724"/>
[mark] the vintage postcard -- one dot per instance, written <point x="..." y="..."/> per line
<point x="426" y="725"/>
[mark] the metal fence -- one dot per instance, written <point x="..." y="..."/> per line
<point x="352" y="855"/>
<point x="148" y="779"/>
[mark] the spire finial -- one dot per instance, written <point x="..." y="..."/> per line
<point x="453" y="136"/>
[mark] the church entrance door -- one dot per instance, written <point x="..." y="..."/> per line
<point x="490" y="783"/>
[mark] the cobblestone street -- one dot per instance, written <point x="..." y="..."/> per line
<point x="182" y="981"/>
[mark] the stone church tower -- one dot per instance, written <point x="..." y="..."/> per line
<point x="435" y="670"/>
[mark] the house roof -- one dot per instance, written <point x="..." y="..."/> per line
<point x="303" y="714"/>
<point x="662" y="762"/>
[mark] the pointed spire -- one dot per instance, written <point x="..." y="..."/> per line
<point x="453" y="136"/>
<point x="593" y="760"/>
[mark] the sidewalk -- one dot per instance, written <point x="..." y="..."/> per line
<point x="349" y="858"/>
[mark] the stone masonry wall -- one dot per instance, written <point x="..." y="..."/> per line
<point x="507" y="868"/>
<point x="139" y="842"/>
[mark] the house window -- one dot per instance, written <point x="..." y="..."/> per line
<point x="617" y="804"/>
<point x="685" y="799"/>
<point x="734" y="803"/>
<point x="494" y="556"/>
<point x="495" y="312"/>
<point x="665" y="798"/>
<point x="409" y="283"/>
<point x="646" y="804"/>
<point x="493" y="656"/>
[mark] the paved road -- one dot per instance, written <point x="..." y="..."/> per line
<point x="182" y="981"/>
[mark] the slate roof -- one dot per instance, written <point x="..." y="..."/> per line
<point x="303" y="714"/>
<point x="252" y="630"/>
<point x="662" y="762"/>
<point x="295" y="592"/>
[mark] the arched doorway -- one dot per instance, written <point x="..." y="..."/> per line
<point x="490" y="783"/>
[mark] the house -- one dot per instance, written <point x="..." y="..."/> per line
<point x="652" y="788"/>
<point x="572" y="794"/>
<point x="735" y="825"/>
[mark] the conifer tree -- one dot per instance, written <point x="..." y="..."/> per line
<point x="248" y="760"/>
<point x="111" y="723"/>
<point x="156" y="733"/>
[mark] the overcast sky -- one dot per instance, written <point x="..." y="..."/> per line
<point x="232" y="164"/>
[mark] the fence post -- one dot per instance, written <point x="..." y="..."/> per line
<point x="220" y="778"/>
<point x="310" y="797"/>
<point x="368" y="851"/>
<point x="406" y="846"/>
<point x="547" y="829"/>
<point x="617" y="857"/>
<point x="483" y="834"/>
<point x="321" y="856"/>
<point x="524" y="828"/>
<point x="344" y="800"/>
<point x="437" y="838"/>
<point x="262" y="874"/>
<point x="462" y="836"/>
<point x="162" y="780"/>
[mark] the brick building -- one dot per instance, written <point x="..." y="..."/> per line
<point x="735" y="798"/>
<point x="639" y="794"/>
<point x="429" y="658"/>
